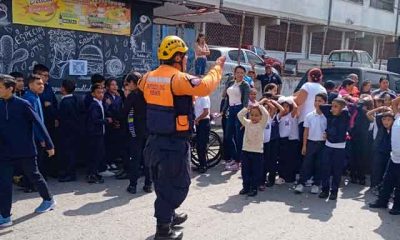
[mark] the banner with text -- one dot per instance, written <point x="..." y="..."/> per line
<point x="101" y="16"/>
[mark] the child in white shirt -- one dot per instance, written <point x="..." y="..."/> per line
<point x="313" y="145"/>
<point x="252" y="151"/>
<point x="289" y="148"/>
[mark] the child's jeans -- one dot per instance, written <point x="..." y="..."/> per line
<point x="391" y="180"/>
<point x="252" y="170"/>
<point x="311" y="162"/>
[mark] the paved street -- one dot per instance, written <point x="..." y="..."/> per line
<point x="215" y="212"/>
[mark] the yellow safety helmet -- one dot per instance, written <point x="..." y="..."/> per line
<point x="171" y="45"/>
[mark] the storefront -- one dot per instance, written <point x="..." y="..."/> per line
<point x="76" y="38"/>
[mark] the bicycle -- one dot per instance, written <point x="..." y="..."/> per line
<point x="214" y="149"/>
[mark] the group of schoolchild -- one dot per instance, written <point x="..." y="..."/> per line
<point x="104" y="129"/>
<point x="333" y="140"/>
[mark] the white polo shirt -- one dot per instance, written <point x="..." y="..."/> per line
<point x="235" y="96"/>
<point x="200" y="104"/>
<point x="395" y="155"/>
<point x="286" y="125"/>
<point x="316" y="124"/>
<point x="267" y="130"/>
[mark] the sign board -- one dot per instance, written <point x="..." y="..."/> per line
<point x="110" y="17"/>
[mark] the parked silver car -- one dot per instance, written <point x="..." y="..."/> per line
<point x="246" y="58"/>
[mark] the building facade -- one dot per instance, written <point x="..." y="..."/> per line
<point x="368" y="25"/>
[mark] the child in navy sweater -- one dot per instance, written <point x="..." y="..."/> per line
<point x="381" y="147"/>
<point x="334" y="155"/>
<point x="391" y="180"/>
<point x="17" y="119"/>
<point x="96" y="129"/>
<point x="69" y="131"/>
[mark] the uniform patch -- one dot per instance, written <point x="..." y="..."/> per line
<point x="194" y="81"/>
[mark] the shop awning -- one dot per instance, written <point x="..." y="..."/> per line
<point x="175" y="14"/>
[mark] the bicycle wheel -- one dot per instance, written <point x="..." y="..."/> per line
<point x="214" y="149"/>
<point x="193" y="152"/>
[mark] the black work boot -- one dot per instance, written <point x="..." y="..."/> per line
<point x="164" y="232"/>
<point x="179" y="219"/>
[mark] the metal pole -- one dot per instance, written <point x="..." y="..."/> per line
<point x="326" y="32"/>
<point x="286" y="41"/>
<point x="396" y="31"/>
<point x="381" y="52"/>
<point x="353" y="51"/>
<point x="241" y="37"/>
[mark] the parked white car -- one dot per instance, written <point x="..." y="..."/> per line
<point x="344" y="58"/>
<point x="246" y="58"/>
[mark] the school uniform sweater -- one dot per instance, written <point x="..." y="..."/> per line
<point x="68" y="114"/>
<point x="337" y="127"/>
<point x="36" y="104"/>
<point x="17" y="119"/>
<point x="95" y="124"/>
<point x="49" y="112"/>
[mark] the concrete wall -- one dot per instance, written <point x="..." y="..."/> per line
<point x="364" y="17"/>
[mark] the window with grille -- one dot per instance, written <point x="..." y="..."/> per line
<point x="383" y="4"/>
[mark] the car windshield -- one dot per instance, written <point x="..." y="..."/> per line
<point x="214" y="55"/>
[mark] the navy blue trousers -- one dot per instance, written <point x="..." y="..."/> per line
<point x="233" y="137"/>
<point x="30" y="169"/>
<point x="391" y="181"/>
<point x="289" y="159"/>
<point x="311" y="162"/>
<point x="96" y="154"/>
<point x="202" y="139"/>
<point x="169" y="161"/>
<point x="270" y="163"/>
<point x="134" y="154"/>
<point x="332" y="164"/>
<point x="379" y="164"/>
<point x="68" y="154"/>
<point x="252" y="169"/>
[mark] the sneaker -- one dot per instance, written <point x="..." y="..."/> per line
<point x="309" y="183"/>
<point x="107" y="173"/>
<point x="299" y="188"/>
<point x="244" y="191"/>
<point x="314" y="189"/>
<point x="234" y="167"/>
<point x="394" y="211"/>
<point x="252" y="193"/>
<point x="378" y="204"/>
<point x="270" y="184"/>
<point x="323" y="195"/>
<point x="229" y="162"/>
<point x="147" y="188"/>
<point x="5" y="222"/>
<point x="113" y="167"/>
<point x="94" y="179"/>
<point x="280" y="181"/>
<point x="131" y="189"/>
<point x="46" y="206"/>
<point x="333" y="196"/>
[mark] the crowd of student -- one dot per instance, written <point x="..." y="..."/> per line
<point x="314" y="137"/>
<point x="105" y="127"/>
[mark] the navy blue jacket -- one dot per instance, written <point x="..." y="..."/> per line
<point x="136" y="101"/>
<point x="17" y="119"/>
<point x="95" y="121"/>
<point x="33" y="98"/>
<point x="265" y="79"/>
<point x="68" y="114"/>
<point x="337" y="126"/>
<point x="382" y="142"/>
<point x="49" y="112"/>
